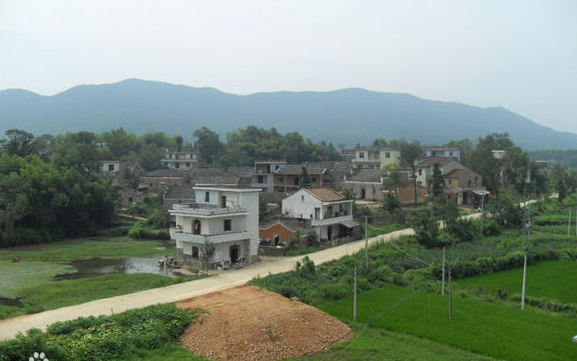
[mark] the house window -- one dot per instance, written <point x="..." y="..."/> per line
<point x="313" y="180"/>
<point x="227" y="224"/>
<point x="280" y="179"/>
<point x="387" y="155"/>
<point x="361" y="155"/>
<point x="188" y="164"/>
<point x="176" y="165"/>
<point x="296" y="180"/>
<point x="194" y="252"/>
<point x="303" y="198"/>
<point x="450" y="181"/>
<point x="469" y="182"/>
<point x="276" y="167"/>
<point x="476" y="180"/>
<point x="260" y="179"/>
<point x="451" y="154"/>
<point x="420" y="172"/>
<point x="111" y="167"/>
<point x="207" y="196"/>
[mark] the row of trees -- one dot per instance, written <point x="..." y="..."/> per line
<point x="40" y="202"/>
<point x="244" y="146"/>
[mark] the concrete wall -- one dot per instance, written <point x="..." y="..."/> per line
<point x="301" y="204"/>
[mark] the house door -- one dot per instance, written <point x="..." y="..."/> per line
<point x="196" y="226"/>
<point x="234" y="253"/>
<point x="363" y="193"/>
<point x="329" y="233"/>
<point x="223" y="201"/>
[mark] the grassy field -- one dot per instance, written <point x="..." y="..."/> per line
<point x="380" y="344"/>
<point x="82" y="248"/>
<point x="544" y="279"/>
<point x="32" y="279"/>
<point x="478" y="327"/>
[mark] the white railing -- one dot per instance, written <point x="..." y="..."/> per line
<point x="179" y="235"/>
<point x="333" y="220"/>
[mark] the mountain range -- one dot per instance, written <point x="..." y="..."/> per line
<point x="347" y="116"/>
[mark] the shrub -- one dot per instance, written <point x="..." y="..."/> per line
<point x="426" y="229"/>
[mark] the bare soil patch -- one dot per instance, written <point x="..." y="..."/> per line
<point x="247" y="323"/>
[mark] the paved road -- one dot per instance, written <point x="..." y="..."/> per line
<point x="223" y="280"/>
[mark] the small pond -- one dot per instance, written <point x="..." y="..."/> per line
<point x="98" y="266"/>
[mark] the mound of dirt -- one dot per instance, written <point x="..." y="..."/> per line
<point x="246" y="323"/>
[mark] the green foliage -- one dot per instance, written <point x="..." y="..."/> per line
<point x="505" y="211"/>
<point x="104" y="338"/>
<point x="438" y="181"/>
<point x="391" y="203"/>
<point x="35" y="198"/>
<point x="145" y="230"/>
<point x="305" y="269"/>
<point x="244" y="146"/>
<point x="208" y="146"/>
<point x="305" y="179"/>
<point x="426" y="229"/>
<point x="348" y="193"/>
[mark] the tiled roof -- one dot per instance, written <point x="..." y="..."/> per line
<point x="326" y="194"/>
<point x="428" y="162"/>
<point x="178" y="192"/>
<point x="367" y="175"/>
<point x="296" y="169"/>
<point x="165" y="173"/>
<point x="456" y="173"/>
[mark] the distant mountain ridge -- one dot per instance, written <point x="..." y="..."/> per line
<point x="347" y="116"/>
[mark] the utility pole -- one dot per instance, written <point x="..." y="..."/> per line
<point x="366" y="244"/>
<point x="569" y="223"/>
<point x="450" y="296"/>
<point x="526" y="225"/>
<point x="355" y="297"/>
<point x="482" y="212"/>
<point x="443" y="284"/>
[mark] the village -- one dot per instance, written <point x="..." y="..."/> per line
<point x="244" y="212"/>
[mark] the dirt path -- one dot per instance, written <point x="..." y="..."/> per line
<point x="224" y="280"/>
<point x="245" y="323"/>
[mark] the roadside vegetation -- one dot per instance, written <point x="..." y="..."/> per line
<point x="125" y="336"/>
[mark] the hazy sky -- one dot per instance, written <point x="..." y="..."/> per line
<point x="521" y="55"/>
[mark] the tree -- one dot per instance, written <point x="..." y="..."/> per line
<point x="466" y="147"/>
<point x="305" y="179"/>
<point x="119" y="142"/>
<point x="178" y="139"/>
<point x="438" y="181"/>
<point x="208" y="146"/>
<point x="206" y="255"/>
<point x="391" y="203"/>
<point x="426" y="229"/>
<point x="483" y="162"/>
<point x="18" y="142"/>
<point x="445" y="210"/>
<point x="410" y="152"/>
<point x="380" y="142"/>
<point x="348" y="193"/>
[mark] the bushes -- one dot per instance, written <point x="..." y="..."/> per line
<point x="103" y="338"/>
<point x="426" y="229"/>
<point x="19" y="236"/>
<point x="142" y="230"/>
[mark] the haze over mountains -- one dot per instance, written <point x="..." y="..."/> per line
<point x="347" y="116"/>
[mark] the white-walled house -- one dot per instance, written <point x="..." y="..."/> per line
<point x="329" y="213"/>
<point x="225" y="216"/>
<point x="180" y="158"/>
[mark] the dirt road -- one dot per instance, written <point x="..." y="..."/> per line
<point x="223" y="280"/>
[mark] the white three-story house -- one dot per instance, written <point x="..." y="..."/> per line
<point x="225" y="216"/>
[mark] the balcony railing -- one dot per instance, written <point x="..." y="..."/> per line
<point x="202" y="209"/>
<point x="332" y="220"/>
<point x="179" y="235"/>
